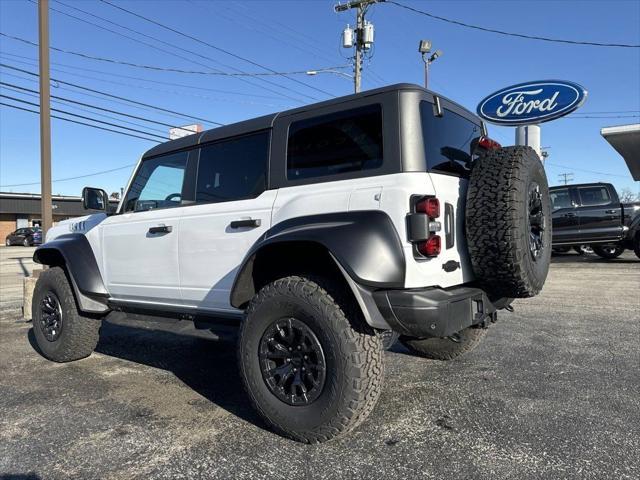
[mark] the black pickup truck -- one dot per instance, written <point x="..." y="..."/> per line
<point x="591" y="214"/>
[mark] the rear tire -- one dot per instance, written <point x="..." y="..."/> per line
<point x="508" y="222"/>
<point x="445" y="348"/>
<point x="608" y="252"/>
<point x="62" y="333"/>
<point x="335" y="401"/>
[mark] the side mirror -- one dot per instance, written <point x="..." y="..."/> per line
<point x="94" y="199"/>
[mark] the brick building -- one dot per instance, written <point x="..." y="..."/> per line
<point x="19" y="210"/>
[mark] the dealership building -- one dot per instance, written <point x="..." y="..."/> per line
<point x="20" y="210"/>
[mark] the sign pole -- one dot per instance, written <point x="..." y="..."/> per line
<point x="529" y="135"/>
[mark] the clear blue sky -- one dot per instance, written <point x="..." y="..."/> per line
<point x="302" y="35"/>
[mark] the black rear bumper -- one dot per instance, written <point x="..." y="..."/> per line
<point x="434" y="312"/>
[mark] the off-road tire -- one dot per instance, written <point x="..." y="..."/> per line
<point x="498" y="223"/>
<point x="388" y="338"/>
<point x="445" y="348"/>
<point x="78" y="334"/>
<point x="602" y="252"/>
<point x="352" y="350"/>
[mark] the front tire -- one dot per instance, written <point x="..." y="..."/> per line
<point x="25" y="243"/>
<point x="294" y="323"/>
<point x="446" y="348"/>
<point x="62" y="333"/>
<point x="608" y="251"/>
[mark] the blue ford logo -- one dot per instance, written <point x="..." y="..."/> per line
<point x="532" y="102"/>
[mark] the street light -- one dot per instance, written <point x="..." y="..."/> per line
<point x="424" y="47"/>
<point x="335" y="72"/>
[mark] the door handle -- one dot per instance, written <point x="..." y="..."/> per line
<point x="570" y="214"/>
<point x="610" y="211"/>
<point x="160" y="229"/>
<point x="249" y="222"/>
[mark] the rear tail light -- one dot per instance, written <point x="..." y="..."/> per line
<point x="430" y="206"/>
<point x="423" y="226"/>
<point x="488" y="144"/>
<point x="430" y="247"/>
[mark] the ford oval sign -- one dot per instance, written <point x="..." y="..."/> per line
<point x="532" y="102"/>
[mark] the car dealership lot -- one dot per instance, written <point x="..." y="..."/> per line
<point x="553" y="392"/>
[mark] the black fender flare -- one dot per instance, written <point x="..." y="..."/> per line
<point x="364" y="243"/>
<point x="74" y="253"/>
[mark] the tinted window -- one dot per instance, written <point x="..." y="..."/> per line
<point x="594" y="196"/>
<point x="233" y="169"/>
<point x="158" y="183"/>
<point x="560" y="198"/>
<point x="449" y="140"/>
<point x="342" y="142"/>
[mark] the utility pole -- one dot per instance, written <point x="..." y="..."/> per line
<point x="363" y="35"/>
<point x="565" y="177"/>
<point x="45" y="118"/>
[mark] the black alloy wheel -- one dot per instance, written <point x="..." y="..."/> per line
<point x="536" y="221"/>
<point x="51" y="317"/>
<point x="292" y="362"/>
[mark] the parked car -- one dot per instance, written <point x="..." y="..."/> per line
<point x="26" y="237"/>
<point x="317" y="231"/>
<point x="591" y="215"/>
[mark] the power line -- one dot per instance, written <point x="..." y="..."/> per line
<point x="84" y="117"/>
<point x="245" y="80"/>
<point x="183" y="115"/>
<point x="152" y="88"/>
<point x="76" y="102"/>
<point x="159" y="82"/>
<point x="61" y="102"/>
<point x="71" y="178"/>
<point x="510" y="34"/>
<point x="169" y="69"/>
<point x="584" y="170"/>
<point x="234" y="55"/>
<point x="80" y="123"/>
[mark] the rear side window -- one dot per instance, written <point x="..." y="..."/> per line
<point x="233" y="169"/>
<point x="449" y="141"/>
<point x="560" y="198"/>
<point x="347" y="141"/>
<point x="594" y="196"/>
<point x="158" y="183"/>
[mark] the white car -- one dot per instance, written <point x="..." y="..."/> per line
<point x="319" y="230"/>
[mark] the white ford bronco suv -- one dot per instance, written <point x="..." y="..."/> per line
<point x="319" y="231"/>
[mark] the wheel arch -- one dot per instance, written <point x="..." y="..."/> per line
<point x="361" y="249"/>
<point x="73" y="253"/>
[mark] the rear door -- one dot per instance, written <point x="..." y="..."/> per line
<point x="600" y="214"/>
<point x="232" y="210"/>
<point x="564" y="214"/>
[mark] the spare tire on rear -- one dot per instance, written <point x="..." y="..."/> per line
<point x="508" y="222"/>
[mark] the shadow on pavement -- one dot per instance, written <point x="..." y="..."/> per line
<point x="588" y="258"/>
<point x="209" y="367"/>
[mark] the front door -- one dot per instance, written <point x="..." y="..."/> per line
<point x="140" y="245"/>
<point x="600" y="214"/>
<point x="564" y="216"/>
<point x="232" y="211"/>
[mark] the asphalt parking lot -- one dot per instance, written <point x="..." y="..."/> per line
<point x="553" y="392"/>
